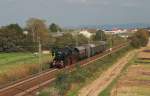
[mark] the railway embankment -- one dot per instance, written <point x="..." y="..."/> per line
<point x="69" y="83"/>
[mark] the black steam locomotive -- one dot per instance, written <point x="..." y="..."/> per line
<point x="70" y="55"/>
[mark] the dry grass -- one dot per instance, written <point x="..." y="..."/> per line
<point x="136" y="82"/>
<point x="18" y="73"/>
<point x="133" y="91"/>
<point x="144" y="55"/>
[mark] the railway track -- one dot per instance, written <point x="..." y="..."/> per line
<point x="28" y="87"/>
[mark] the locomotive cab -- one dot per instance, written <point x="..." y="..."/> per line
<point x="58" y="59"/>
<point x="62" y="57"/>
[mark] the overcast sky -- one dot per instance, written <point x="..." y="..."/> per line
<point x="75" y="12"/>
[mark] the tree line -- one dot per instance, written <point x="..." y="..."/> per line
<point x="15" y="38"/>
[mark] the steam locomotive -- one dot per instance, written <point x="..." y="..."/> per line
<point x="70" y="55"/>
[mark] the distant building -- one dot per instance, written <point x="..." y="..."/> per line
<point x="57" y="34"/>
<point x="85" y="32"/>
<point x="148" y="29"/>
<point x="115" y="31"/>
<point x="88" y="32"/>
<point x="133" y="30"/>
<point x="93" y="31"/>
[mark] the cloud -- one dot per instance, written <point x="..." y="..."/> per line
<point x="90" y="2"/>
<point x="129" y="3"/>
<point x="77" y="0"/>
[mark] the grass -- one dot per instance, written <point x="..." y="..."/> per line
<point x="107" y="91"/>
<point x="25" y="63"/>
<point x="137" y="88"/>
<point x="134" y="91"/>
<point x="142" y="61"/>
<point x="75" y="80"/>
<point x="12" y="59"/>
<point x="143" y="78"/>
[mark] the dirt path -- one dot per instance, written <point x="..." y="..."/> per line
<point x="107" y="77"/>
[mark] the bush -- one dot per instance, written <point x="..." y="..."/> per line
<point x="63" y="82"/>
<point x="79" y="75"/>
<point x="140" y="38"/>
<point x="49" y="92"/>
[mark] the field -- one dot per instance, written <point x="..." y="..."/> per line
<point x="135" y="81"/>
<point x="17" y="65"/>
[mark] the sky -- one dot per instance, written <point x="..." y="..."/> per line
<point x="75" y="12"/>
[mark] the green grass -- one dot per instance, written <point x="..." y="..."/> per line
<point x="14" y="66"/>
<point x="142" y="61"/>
<point x="11" y="60"/>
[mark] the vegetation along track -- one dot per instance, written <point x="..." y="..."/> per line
<point x="29" y="86"/>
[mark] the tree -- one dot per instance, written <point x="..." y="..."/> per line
<point x="11" y="37"/>
<point x="54" y="28"/>
<point x="100" y="36"/>
<point x="38" y="30"/>
<point x="135" y="42"/>
<point x="82" y="39"/>
<point x="140" y="38"/>
<point x="16" y="32"/>
<point x="15" y="27"/>
<point x="65" y="40"/>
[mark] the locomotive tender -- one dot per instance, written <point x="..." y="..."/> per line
<point x="70" y="55"/>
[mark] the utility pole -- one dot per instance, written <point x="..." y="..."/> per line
<point x="89" y="47"/>
<point x="77" y="42"/>
<point x="112" y="40"/>
<point x="40" y="62"/>
<point x="40" y="55"/>
<point x="111" y="43"/>
<point x="33" y="34"/>
<point x="101" y="37"/>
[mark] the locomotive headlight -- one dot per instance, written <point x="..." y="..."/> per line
<point x="62" y="63"/>
<point x="54" y="62"/>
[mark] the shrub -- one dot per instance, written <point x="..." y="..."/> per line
<point x="140" y="38"/>
<point x="63" y="82"/>
<point x="49" y="92"/>
<point x="79" y="75"/>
